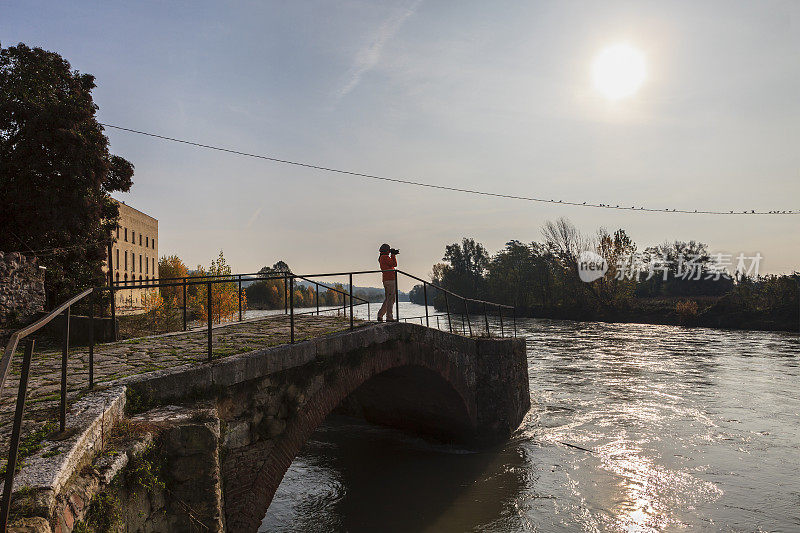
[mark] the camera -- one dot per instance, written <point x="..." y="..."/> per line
<point x="394" y="251"/>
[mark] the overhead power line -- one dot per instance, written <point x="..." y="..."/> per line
<point x="454" y="189"/>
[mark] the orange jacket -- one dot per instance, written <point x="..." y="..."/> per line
<point x="387" y="263"/>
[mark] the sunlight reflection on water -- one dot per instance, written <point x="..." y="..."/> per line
<point x="688" y="428"/>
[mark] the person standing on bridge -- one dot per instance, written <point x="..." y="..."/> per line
<point x="388" y="261"/>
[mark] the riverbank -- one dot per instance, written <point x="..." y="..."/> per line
<point x="703" y="311"/>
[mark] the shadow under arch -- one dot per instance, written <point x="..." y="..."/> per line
<point x="421" y="391"/>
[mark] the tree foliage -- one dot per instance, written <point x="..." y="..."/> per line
<point x="543" y="276"/>
<point x="56" y="172"/>
<point x="224" y="294"/>
<point x="172" y="267"/>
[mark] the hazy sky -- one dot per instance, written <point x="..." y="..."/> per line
<point x="486" y="95"/>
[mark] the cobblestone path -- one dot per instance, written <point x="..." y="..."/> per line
<point x="136" y="356"/>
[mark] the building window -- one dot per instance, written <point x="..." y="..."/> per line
<point x="133" y="237"/>
<point x="117" y="258"/>
<point x="117" y="277"/>
<point x="147" y="242"/>
<point x="126" y="277"/>
<point x="154" y="264"/>
<point x="117" y="232"/>
<point x="140" y="239"/>
<point x="146" y="265"/>
<point x="154" y="243"/>
<point x="140" y="264"/>
<point x="126" y="263"/>
<point x="126" y="234"/>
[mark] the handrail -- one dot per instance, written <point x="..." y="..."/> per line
<point x="13" y="341"/>
<point x="437" y="287"/>
<point x="5" y="365"/>
<point x="331" y="288"/>
<point x="277" y="274"/>
<point x="155" y="283"/>
<point x="200" y="279"/>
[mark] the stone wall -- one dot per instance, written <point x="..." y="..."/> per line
<point x="21" y="287"/>
<point x="157" y="472"/>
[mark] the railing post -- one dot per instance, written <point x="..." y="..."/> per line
<point x="240" y="297"/>
<point x="285" y="296"/>
<point x="449" y="320"/>
<point x="316" y="298"/>
<point x="155" y="313"/>
<point x="425" y="295"/>
<point x="111" y="263"/>
<point x="352" y="326"/>
<point x="515" y="322"/>
<point x="184" y="304"/>
<point x="113" y="315"/>
<point x="62" y="410"/>
<point x="396" y="296"/>
<point x="466" y="314"/>
<point x="208" y="312"/>
<point x="486" y="319"/>
<point x="91" y="339"/>
<point x="13" y="447"/>
<point x="368" y="311"/>
<point x="291" y="309"/>
<point x="500" y="313"/>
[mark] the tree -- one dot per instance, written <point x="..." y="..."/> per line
<point x="56" y="172"/>
<point x="224" y="295"/>
<point x="172" y="267"/>
<point x="417" y="294"/>
<point x="683" y="278"/>
<point x="563" y="244"/>
<point x="511" y="274"/>
<point x="466" y="265"/>
<point x="614" y="289"/>
<point x="268" y="293"/>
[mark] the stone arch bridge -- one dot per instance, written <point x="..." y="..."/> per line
<point x="268" y="402"/>
<point x="226" y="431"/>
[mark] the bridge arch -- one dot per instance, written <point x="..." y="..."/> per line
<point x="417" y="388"/>
<point x="267" y="402"/>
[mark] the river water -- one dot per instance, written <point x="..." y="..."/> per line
<point x="682" y="429"/>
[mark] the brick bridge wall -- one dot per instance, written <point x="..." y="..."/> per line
<point x="473" y="391"/>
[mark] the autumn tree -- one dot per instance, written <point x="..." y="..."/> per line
<point x="224" y="294"/>
<point x="172" y="267"/>
<point x="56" y="171"/>
<point x="617" y="286"/>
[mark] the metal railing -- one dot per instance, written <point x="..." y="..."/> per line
<point x="5" y="366"/>
<point x="94" y="296"/>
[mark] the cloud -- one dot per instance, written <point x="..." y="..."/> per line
<point x="253" y="217"/>
<point x="368" y="57"/>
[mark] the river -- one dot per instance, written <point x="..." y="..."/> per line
<point x="683" y="428"/>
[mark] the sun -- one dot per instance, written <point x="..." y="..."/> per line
<point x="619" y="71"/>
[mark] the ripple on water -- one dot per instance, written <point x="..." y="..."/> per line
<point x="681" y="428"/>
